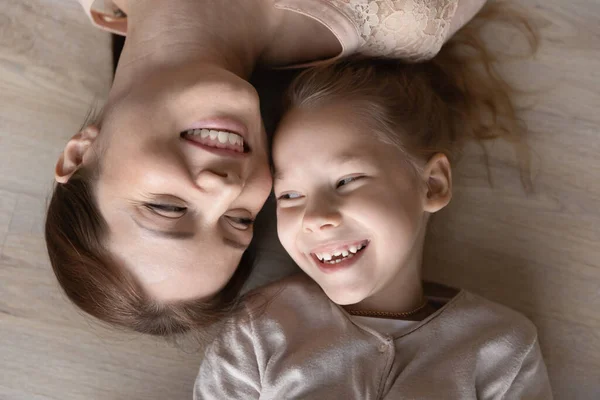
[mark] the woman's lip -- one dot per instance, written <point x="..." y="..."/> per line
<point x="216" y="150"/>
<point x="331" y="268"/>
<point x="228" y="124"/>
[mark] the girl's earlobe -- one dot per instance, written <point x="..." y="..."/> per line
<point x="437" y="175"/>
<point x="72" y="157"/>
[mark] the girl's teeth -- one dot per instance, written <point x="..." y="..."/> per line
<point x="339" y="260"/>
<point x="204" y="133"/>
<point x="213" y="134"/>
<point x="345" y="254"/>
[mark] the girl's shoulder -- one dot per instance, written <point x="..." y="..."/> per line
<point x="498" y="313"/>
<point x="472" y="314"/>
<point x="295" y="282"/>
<point x="290" y="303"/>
<point x="295" y="291"/>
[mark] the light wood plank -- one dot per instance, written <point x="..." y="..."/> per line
<point x="536" y="252"/>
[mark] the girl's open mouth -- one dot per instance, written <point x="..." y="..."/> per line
<point x="333" y="259"/>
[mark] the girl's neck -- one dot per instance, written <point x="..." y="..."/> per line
<point x="404" y="292"/>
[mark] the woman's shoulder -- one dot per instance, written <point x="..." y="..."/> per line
<point x="106" y="15"/>
<point x="408" y="30"/>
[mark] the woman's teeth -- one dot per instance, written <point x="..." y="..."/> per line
<point x="340" y="255"/>
<point x="215" y="138"/>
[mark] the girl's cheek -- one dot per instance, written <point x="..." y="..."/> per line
<point x="288" y="223"/>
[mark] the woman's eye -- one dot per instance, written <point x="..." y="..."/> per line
<point x="345" y="181"/>
<point x="167" y="210"/>
<point x="289" y="196"/>
<point x="240" y="223"/>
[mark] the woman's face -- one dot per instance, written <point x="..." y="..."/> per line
<point x="350" y="208"/>
<point x="183" y="172"/>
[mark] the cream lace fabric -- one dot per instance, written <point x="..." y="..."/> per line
<point x="413" y="30"/>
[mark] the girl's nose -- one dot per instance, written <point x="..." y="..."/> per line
<point x="321" y="215"/>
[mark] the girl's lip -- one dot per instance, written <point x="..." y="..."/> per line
<point x="331" y="268"/>
<point x="333" y="245"/>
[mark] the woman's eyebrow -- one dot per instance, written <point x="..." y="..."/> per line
<point x="234" y="244"/>
<point x="180" y="235"/>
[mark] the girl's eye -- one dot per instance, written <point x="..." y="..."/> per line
<point x="345" y="181"/>
<point x="239" y="223"/>
<point x="167" y="210"/>
<point x="289" y="196"/>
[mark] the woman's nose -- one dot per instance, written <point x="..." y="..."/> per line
<point x="222" y="188"/>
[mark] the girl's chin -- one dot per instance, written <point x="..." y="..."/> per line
<point x="345" y="297"/>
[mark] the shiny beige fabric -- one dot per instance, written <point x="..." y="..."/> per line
<point x="303" y="346"/>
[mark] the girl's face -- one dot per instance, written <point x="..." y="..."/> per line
<point x="350" y="208"/>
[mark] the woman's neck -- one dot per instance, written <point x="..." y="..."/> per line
<point x="193" y="31"/>
<point x="234" y="35"/>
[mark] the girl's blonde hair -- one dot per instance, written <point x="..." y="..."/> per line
<point x="431" y="107"/>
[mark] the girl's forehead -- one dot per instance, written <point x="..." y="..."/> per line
<point x="340" y="125"/>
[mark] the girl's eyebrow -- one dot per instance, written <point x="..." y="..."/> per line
<point x="344" y="158"/>
<point x="348" y="158"/>
<point x="277" y="175"/>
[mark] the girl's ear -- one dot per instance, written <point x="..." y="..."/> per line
<point x="437" y="174"/>
<point x="72" y="157"/>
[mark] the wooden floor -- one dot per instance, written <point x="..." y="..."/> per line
<point x="538" y="253"/>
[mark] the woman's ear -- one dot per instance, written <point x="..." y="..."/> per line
<point x="75" y="150"/>
<point x="437" y="176"/>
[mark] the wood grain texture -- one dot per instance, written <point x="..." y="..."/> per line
<point x="53" y="66"/>
<point x="537" y="253"/>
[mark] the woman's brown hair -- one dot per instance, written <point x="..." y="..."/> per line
<point x="435" y="105"/>
<point x="93" y="280"/>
